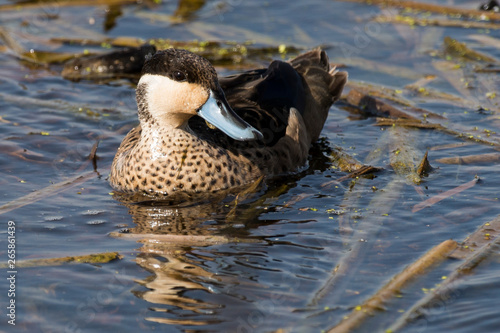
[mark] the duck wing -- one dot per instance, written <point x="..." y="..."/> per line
<point x="263" y="97"/>
<point x="323" y="85"/>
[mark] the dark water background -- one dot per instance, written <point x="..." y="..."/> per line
<point x="290" y="233"/>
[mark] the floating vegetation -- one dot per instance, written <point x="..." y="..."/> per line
<point x="423" y="22"/>
<point x="404" y="154"/>
<point x="433" y="8"/>
<point x="454" y="48"/>
<point x="219" y="52"/>
<point x="94" y="259"/>
<point x="128" y="61"/>
<point x="20" y="4"/>
<point x="344" y="161"/>
<point x="46" y="57"/>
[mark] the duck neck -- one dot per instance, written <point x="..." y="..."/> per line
<point x="161" y="139"/>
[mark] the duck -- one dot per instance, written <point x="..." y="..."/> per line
<point x="199" y="133"/>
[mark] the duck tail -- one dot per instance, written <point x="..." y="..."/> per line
<point x="323" y="84"/>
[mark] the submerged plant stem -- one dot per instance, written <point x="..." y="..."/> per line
<point x="437" y="198"/>
<point x="404" y="155"/>
<point x="181" y="240"/>
<point x="380" y="207"/>
<point x="433" y="257"/>
<point x="46" y="192"/>
<point x="344" y="161"/>
<point x="476" y="248"/>
<point x="484" y="235"/>
<point x="471" y="159"/>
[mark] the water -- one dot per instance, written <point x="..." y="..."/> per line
<point x="292" y="233"/>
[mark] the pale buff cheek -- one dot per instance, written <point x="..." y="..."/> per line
<point x="197" y="96"/>
<point x="181" y="97"/>
<point x="172" y="101"/>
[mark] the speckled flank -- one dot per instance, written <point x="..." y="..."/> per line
<point x="178" y="161"/>
<point x="160" y="159"/>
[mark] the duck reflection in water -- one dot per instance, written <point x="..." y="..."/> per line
<point x="173" y="235"/>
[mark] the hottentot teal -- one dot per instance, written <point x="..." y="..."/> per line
<point x="200" y="133"/>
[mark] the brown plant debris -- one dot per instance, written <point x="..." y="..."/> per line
<point x="424" y="167"/>
<point x="475" y="249"/>
<point x="455" y="48"/>
<point x="433" y="8"/>
<point x="98" y="258"/>
<point x="437" y="198"/>
<point x="361" y="312"/>
<point x="471" y="159"/>
<point x="374" y="107"/>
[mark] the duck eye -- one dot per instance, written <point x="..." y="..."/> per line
<point x="179" y="76"/>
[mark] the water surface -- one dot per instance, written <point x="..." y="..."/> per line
<point x="291" y="234"/>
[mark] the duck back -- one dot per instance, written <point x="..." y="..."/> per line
<point x="265" y="96"/>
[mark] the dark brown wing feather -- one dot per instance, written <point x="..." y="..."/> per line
<point x="323" y="87"/>
<point x="263" y="97"/>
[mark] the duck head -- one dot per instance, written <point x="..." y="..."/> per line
<point x="176" y="85"/>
